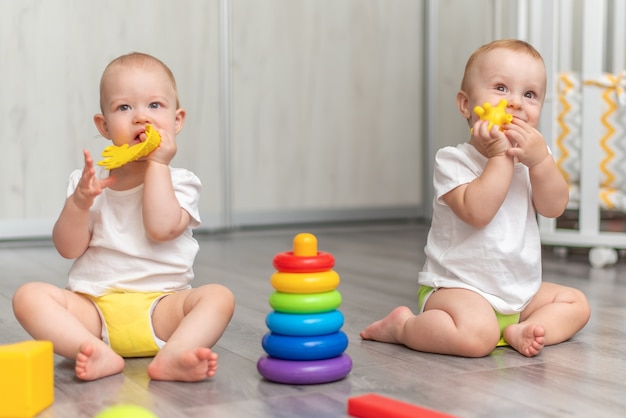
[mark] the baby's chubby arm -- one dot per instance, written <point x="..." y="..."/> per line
<point x="71" y="233"/>
<point x="549" y="189"/>
<point x="164" y="219"/>
<point x="477" y="202"/>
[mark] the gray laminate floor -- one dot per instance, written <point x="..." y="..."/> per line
<point x="378" y="265"/>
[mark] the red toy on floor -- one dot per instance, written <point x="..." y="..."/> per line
<point x="376" y="406"/>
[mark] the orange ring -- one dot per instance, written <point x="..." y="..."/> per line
<point x="318" y="282"/>
<point x="290" y="263"/>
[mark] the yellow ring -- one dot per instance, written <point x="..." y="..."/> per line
<point x="305" y="282"/>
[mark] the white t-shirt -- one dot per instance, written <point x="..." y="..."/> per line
<point x="121" y="257"/>
<point x="502" y="261"/>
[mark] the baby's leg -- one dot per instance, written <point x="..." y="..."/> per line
<point x="71" y="322"/>
<point x="191" y="321"/>
<point x="455" y="321"/>
<point x="554" y="315"/>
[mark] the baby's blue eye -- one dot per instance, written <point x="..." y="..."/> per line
<point x="123" y="107"/>
<point x="155" y="105"/>
<point x="500" y="88"/>
<point x="530" y="95"/>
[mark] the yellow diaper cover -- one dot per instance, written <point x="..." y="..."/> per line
<point x="504" y="320"/>
<point x="127" y="322"/>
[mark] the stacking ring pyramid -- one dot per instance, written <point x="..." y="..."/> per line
<point x="305" y="344"/>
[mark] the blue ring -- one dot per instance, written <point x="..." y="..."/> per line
<point x="304" y="372"/>
<point x="305" y="348"/>
<point x="304" y="324"/>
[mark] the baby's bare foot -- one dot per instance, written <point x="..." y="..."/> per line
<point x="527" y="339"/>
<point x="96" y="361"/>
<point x="184" y="366"/>
<point x="387" y="329"/>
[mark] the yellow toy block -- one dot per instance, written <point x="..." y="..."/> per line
<point x="26" y="378"/>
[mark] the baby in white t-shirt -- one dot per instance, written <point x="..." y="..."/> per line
<point x="129" y="290"/>
<point x="481" y="284"/>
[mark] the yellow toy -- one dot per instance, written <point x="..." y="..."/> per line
<point x="26" y="378"/>
<point x="125" y="411"/>
<point x="117" y="156"/>
<point x="495" y="115"/>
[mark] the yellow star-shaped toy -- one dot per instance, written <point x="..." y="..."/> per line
<point x="117" y="156"/>
<point x="495" y="115"/>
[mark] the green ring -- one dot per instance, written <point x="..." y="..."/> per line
<point x="303" y="303"/>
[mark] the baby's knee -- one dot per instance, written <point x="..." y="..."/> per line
<point x="218" y="293"/>
<point x="481" y="347"/>
<point x="481" y="341"/>
<point x="580" y="299"/>
<point x="227" y="296"/>
<point x="224" y="293"/>
<point x="25" y="292"/>
<point x="575" y="299"/>
<point x="25" y="296"/>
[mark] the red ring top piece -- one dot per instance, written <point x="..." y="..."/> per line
<point x="289" y="263"/>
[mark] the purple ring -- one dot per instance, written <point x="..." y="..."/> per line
<point x="307" y="372"/>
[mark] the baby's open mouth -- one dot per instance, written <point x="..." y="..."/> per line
<point x="141" y="137"/>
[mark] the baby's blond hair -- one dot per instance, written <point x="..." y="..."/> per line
<point x="510" y="44"/>
<point x="137" y="59"/>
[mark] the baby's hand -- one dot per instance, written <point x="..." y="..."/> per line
<point x="530" y="147"/>
<point x="89" y="186"/>
<point x="491" y="142"/>
<point x="166" y="150"/>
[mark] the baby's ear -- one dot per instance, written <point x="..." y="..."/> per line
<point x="101" y="124"/>
<point x="180" y="119"/>
<point x="462" y="102"/>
